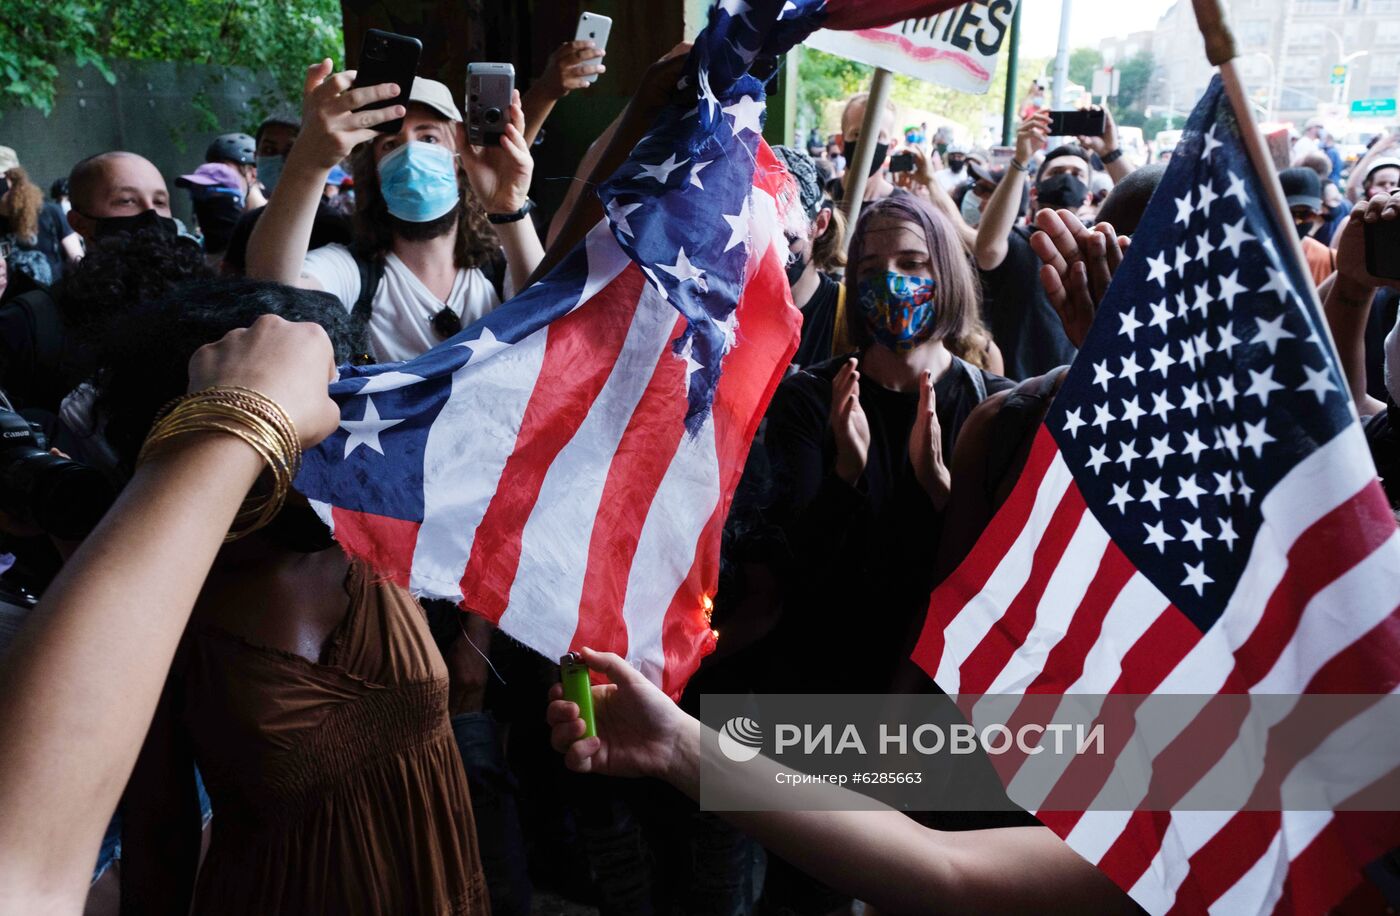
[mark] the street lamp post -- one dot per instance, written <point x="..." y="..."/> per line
<point x="1341" y="92"/>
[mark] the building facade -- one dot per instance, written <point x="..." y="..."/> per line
<point x="1299" y="59"/>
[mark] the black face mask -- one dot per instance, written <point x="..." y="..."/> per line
<point x="149" y="219"/>
<point x="956" y="165"/>
<point x="298" y="528"/>
<point x="1063" y="190"/>
<point x="881" y="151"/>
<point x="796" y="266"/>
<point x="1305" y="229"/>
<point x="217" y="215"/>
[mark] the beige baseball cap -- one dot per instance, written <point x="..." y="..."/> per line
<point x="9" y="160"/>
<point x="436" y="96"/>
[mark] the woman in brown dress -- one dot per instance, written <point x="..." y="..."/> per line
<point x="308" y="692"/>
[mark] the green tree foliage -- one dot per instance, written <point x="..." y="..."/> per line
<point x="824" y="77"/>
<point x="1082" y="64"/>
<point x="275" y="39"/>
<point x="1135" y="74"/>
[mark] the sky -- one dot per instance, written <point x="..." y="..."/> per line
<point x="1090" y="22"/>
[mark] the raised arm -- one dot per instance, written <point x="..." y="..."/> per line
<point x="330" y="129"/>
<point x="1347" y="296"/>
<point x="500" y="177"/>
<point x="114" y="615"/>
<point x="923" y="174"/>
<point x="999" y="216"/>
<point x="1106" y="145"/>
<point x="567" y="69"/>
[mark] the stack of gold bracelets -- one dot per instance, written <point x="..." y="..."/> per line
<point x="250" y="416"/>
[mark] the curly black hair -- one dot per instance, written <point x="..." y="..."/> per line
<point x="121" y="271"/>
<point x="144" y="361"/>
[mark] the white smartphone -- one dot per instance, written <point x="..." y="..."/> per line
<point x="594" y="28"/>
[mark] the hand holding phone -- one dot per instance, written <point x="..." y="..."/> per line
<point x="1382" y="237"/>
<point x="902" y="162"/>
<point x="387" y="57"/>
<point x="1087" y="122"/>
<point x="595" y="28"/>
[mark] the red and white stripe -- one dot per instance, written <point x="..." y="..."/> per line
<point x="584" y="514"/>
<point x="1047" y="606"/>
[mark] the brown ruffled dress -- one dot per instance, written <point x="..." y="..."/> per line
<point x="336" y="787"/>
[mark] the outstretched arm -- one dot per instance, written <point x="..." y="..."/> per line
<point x="114" y="615"/>
<point x="880" y="856"/>
<point x="331" y="128"/>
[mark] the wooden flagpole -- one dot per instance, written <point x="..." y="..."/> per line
<point x="1220" y="51"/>
<point x="853" y="194"/>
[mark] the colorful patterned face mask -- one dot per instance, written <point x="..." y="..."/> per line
<point x="899" y="309"/>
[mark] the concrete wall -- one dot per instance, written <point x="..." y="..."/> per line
<point x="147" y="111"/>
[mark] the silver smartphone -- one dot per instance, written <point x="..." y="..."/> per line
<point x="594" y="28"/>
<point x="489" y="88"/>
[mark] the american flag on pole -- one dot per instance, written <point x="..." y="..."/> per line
<point x="1199" y="514"/>
<point x="564" y="466"/>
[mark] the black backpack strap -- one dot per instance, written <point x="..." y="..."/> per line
<point x="495" y="271"/>
<point x="371" y="275"/>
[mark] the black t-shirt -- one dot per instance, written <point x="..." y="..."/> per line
<point x="818" y="323"/>
<point x="1024" y="326"/>
<point x="329" y="226"/>
<point x="1384" y="309"/>
<point x="860" y="558"/>
<point x="1383" y="436"/>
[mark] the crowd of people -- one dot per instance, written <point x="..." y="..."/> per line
<point x="197" y="723"/>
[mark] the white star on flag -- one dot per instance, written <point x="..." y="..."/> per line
<point x="1160" y="316"/>
<point x="388" y="381"/>
<point x="1157" y="269"/>
<point x="1132" y="410"/>
<point x="1271" y="332"/>
<point x="619" y="214"/>
<point x="683" y="270"/>
<point x="365" y="431"/>
<point x="738" y="226"/>
<point x="1256" y="438"/>
<point x="695" y="173"/>
<point x="1130" y="324"/>
<point x="1278" y="284"/>
<point x="1195" y="533"/>
<point x="1208" y="197"/>
<point x="1261" y="385"/>
<point x="1184" y="209"/>
<point x="1153" y="493"/>
<point x="1161" y="449"/>
<point x="1237" y="190"/>
<point x="1157" y="536"/>
<point x="1073" y="422"/>
<point x="1190" y="490"/>
<point x="1196" y="577"/>
<point x="1211" y="145"/>
<point x="1230" y="288"/>
<point x="662" y="170"/>
<point x="1194" y="446"/>
<point x="1235" y="236"/>
<point x="746" y="113"/>
<point x="483" y="346"/>
<point x="1319" y="382"/>
<point x="1102" y="375"/>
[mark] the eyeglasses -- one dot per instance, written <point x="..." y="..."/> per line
<point x="447" y="323"/>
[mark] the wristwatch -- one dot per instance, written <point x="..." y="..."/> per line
<point x="499" y="219"/>
<point x="1110" y="158"/>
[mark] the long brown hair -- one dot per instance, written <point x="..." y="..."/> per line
<point x="476" y="244"/>
<point x="22" y="205"/>
<point x="957" y="300"/>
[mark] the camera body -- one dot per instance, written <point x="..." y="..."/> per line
<point x="489" y="89"/>
<point x="58" y="496"/>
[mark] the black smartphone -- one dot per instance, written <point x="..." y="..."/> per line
<point x="489" y="88"/>
<point x="387" y="57"/>
<point x="902" y="162"/>
<point x="1383" y="249"/>
<point x="1079" y="122"/>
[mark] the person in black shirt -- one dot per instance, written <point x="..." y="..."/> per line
<point x="1014" y="305"/>
<point x="815" y="293"/>
<point x="858" y="446"/>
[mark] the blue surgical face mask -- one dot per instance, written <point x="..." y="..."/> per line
<point x="899" y="309"/>
<point x="270" y="170"/>
<point x="419" y="181"/>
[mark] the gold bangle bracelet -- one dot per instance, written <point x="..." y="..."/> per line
<point x="247" y="415"/>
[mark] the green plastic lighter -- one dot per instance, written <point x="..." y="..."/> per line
<point x="573" y="674"/>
